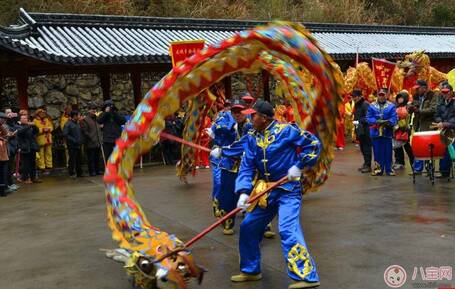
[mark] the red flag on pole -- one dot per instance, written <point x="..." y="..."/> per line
<point x="357" y="57"/>
<point x="383" y="71"/>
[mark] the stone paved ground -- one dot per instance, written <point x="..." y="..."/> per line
<point x="356" y="226"/>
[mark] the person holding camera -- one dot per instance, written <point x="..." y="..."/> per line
<point x="111" y="122"/>
<point x="73" y="134"/>
<point x="26" y="139"/>
<point x="13" y="126"/>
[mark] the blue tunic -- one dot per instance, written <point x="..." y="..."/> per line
<point x="382" y="133"/>
<point x="377" y="113"/>
<point x="273" y="152"/>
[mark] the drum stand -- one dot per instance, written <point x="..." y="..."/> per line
<point x="431" y="164"/>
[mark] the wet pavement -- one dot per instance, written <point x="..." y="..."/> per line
<point x="356" y="226"/>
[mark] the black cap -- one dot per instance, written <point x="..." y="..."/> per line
<point x="238" y="103"/>
<point x="447" y="88"/>
<point x="262" y="107"/>
<point x="356" y="92"/>
<point x="92" y="105"/>
<point x="227" y="102"/>
<point x="108" y="102"/>
<point x="421" y="83"/>
<point x="383" y="91"/>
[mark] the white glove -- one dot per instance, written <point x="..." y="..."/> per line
<point x="216" y="153"/>
<point x="243" y="202"/>
<point x="294" y="173"/>
<point x="355" y="122"/>
<point x="210" y="132"/>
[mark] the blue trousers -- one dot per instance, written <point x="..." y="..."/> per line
<point x="216" y="177"/>
<point x="445" y="163"/>
<point x="226" y="198"/>
<point x="300" y="265"/>
<point x="382" y="148"/>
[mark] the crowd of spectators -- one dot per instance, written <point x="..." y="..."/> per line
<point x="386" y="124"/>
<point x="381" y="125"/>
<point x="26" y="140"/>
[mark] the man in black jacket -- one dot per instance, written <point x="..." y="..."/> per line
<point x="171" y="149"/>
<point x="73" y="134"/>
<point x="362" y="130"/>
<point x="445" y="120"/>
<point x="111" y="122"/>
<point x="26" y="139"/>
<point x="91" y="132"/>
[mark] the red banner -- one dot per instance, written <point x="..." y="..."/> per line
<point x="383" y="71"/>
<point x="409" y="82"/>
<point x="179" y="50"/>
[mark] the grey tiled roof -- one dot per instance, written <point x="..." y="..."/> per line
<point x="99" y="39"/>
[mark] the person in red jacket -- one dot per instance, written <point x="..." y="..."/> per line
<point x="202" y="157"/>
<point x="289" y="112"/>
<point x="340" y="142"/>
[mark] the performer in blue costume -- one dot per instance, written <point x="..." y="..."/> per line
<point x="223" y="119"/>
<point x="227" y="199"/>
<point x="382" y="117"/>
<point x="228" y="135"/>
<point x="274" y="150"/>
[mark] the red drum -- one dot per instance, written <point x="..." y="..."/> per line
<point x="422" y="141"/>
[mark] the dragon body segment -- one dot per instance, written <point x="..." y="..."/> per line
<point x="312" y="84"/>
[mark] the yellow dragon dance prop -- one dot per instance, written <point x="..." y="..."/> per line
<point x="414" y="66"/>
<point x="287" y="51"/>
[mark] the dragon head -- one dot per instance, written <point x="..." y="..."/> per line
<point x="413" y="63"/>
<point x="173" y="271"/>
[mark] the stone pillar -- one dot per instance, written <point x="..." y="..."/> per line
<point x="265" y="81"/>
<point x="105" y="78"/>
<point x="22" y="85"/>
<point x="227" y="87"/>
<point x="137" y="90"/>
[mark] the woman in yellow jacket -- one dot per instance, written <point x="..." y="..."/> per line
<point x="63" y="120"/>
<point x="349" y="117"/>
<point x="65" y="117"/>
<point x="44" y="139"/>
